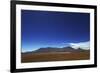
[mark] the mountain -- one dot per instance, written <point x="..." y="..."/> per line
<point x="54" y="49"/>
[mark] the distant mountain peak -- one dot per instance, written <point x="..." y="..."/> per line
<point x="55" y="49"/>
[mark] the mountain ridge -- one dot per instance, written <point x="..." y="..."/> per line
<point x="55" y="49"/>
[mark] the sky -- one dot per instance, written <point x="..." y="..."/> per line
<point x="53" y="29"/>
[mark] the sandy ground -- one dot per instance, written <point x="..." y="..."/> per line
<point x="54" y="56"/>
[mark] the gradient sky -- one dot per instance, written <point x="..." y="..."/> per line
<point x="53" y="29"/>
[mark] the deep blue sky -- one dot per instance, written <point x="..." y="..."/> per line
<point x="53" y="29"/>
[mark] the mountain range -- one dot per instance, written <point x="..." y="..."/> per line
<point x="55" y="49"/>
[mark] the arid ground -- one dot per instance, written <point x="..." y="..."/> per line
<point x="54" y="56"/>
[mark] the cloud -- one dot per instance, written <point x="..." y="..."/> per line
<point x="83" y="45"/>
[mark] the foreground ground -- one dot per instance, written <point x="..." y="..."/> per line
<point x="54" y="56"/>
